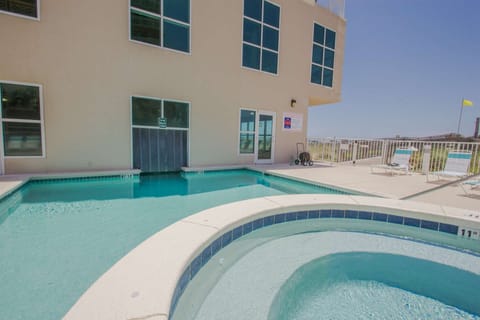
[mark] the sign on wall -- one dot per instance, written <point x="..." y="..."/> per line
<point x="162" y="122"/>
<point x="292" y="121"/>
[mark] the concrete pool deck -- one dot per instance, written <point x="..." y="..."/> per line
<point x="359" y="178"/>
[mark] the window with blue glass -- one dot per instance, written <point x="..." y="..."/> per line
<point x="261" y="32"/>
<point x="247" y="131"/>
<point x="26" y="8"/>
<point x="21" y="120"/>
<point x="163" y="23"/>
<point x="323" y="56"/>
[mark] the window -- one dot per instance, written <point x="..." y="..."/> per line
<point x="261" y="28"/>
<point x="323" y="56"/>
<point x="28" y="8"/>
<point x="163" y="23"/>
<point x="247" y="131"/>
<point x="151" y="112"/>
<point x="22" y="120"/>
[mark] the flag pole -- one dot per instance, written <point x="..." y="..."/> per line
<point x="460" y="118"/>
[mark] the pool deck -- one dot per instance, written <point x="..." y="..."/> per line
<point x="359" y="178"/>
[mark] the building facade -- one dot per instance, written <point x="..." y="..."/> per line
<point x="161" y="84"/>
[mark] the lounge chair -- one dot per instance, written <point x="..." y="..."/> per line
<point x="400" y="162"/>
<point x="456" y="166"/>
<point x="474" y="183"/>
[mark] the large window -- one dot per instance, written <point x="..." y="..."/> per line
<point x="247" y="131"/>
<point x="323" y="55"/>
<point x="158" y="113"/>
<point x="261" y="28"/>
<point x="163" y="23"/>
<point x="22" y="120"/>
<point x="28" y="8"/>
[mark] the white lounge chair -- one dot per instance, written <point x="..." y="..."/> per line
<point x="400" y="162"/>
<point x="474" y="183"/>
<point x="456" y="166"/>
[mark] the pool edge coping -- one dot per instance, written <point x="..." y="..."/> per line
<point x="135" y="288"/>
<point x="22" y="179"/>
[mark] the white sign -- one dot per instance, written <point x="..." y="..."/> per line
<point x="292" y="121"/>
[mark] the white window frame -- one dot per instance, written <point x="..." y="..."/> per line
<point x="37" y="18"/>
<point x="41" y="121"/>
<point x="261" y="39"/>
<point x="161" y="17"/>
<point x="156" y="127"/>
<point x="254" y="132"/>
<point x="323" y="62"/>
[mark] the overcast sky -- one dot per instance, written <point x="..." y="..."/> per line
<point x="407" y="66"/>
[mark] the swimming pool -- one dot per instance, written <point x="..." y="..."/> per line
<point x="58" y="236"/>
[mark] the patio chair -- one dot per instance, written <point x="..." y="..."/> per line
<point x="456" y="166"/>
<point x="474" y="183"/>
<point x="400" y="162"/>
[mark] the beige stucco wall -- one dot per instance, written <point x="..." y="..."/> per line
<point x="80" y="53"/>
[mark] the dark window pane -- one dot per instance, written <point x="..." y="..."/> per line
<point x="22" y="139"/>
<point x="316" y="76"/>
<point x="270" y="38"/>
<point x="247" y="120"/>
<point x="327" y="77"/>
<point x="251" y="57"/>
<point x="253" y="9"/>
<point x="271" y="14"/>
<point x="145" y="28"/>
<point x="23" y="7"/>
<point x="20" y="102"/>
<point x="176" y="114"/>
<point x="147" y="5"/>
<point x="269" y="61"/>
<point x="319" y="34"/>
<point x="251" y="31"/>
<point x="146" y="112"/>
<point x="265" y="137"/>
<point x="330" y="39"/>
<point x="317" y="56"/>
<point x="329" y="55"/>
<point x="176" y="36"/>
<point x="177" y="9"/>
<point x="247" y="142"/>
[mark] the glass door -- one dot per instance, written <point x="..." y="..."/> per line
<point x="265" y="137"/>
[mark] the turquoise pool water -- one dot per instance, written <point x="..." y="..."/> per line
<point x="60" y="236"/>
<point x="337" y="269"/>
<point x="365" y="285"/>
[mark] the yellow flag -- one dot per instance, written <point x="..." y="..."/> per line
<point x="467" y="103"/>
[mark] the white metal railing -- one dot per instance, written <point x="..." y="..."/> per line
<point x="335" y="6"/>
<point x="427" y="156"/>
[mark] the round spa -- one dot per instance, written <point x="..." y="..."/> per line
<point x="322" y="264"/>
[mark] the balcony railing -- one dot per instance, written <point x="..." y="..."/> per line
<point x="427" y="156"/>
<point x="335" y="6"/>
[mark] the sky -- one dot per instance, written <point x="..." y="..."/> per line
<point x="408" y="64"/>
